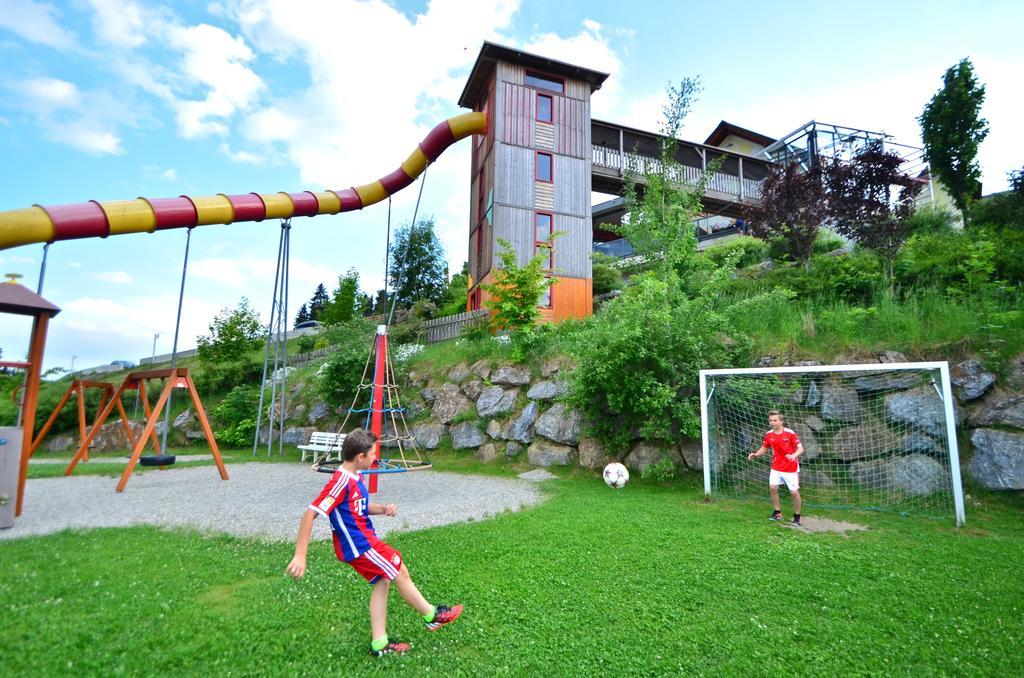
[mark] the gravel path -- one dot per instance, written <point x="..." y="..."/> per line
<point x="117" y="460"/>
<point x="260" y="500"/>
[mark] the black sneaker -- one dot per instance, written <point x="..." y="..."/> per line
<point x="394" y="647"/>
<point x="444" y="615"/>
<point x="777" y="515"/>
<point x="796" y="522"/>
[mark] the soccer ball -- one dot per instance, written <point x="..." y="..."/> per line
<point x="616" y="475"/>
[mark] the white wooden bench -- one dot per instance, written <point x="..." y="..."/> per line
<point x="323" y="445"/>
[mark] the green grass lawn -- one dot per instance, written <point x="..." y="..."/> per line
<point x="649" y="580"/>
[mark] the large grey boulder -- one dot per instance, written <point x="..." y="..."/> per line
<point x="428" y="435"/>
<point x="916" y="442"/>
<point x="872" y="439"/>
<point x="646" y="454"/>
<point x="184" y="419"/>
<point x="520" y="429"/>
<point x="970" y="380"/>
<point x="449" y="403"/>
<point x="495" y="400"/>
<point x="815" y="478"/>
<point x="592" y="454"/>
<point x="561" y="424"/>
<point x="839" y="402"/>
<point x="318" y="411"/>
<point x="487" y="453"/>
<point x="550" y="367"/>
<point x="1001" y="412"/>
<point x="511" y="375"/>
<point x="813" y="395"/>
<point x="60" y="443"/>
<point x="458" y="374"/>
<point x="892" y="357"/>
<point x="493" y="428"/>
<point x="920" y="407"/>
<point x="466" y="435"/>
<point x="513" y="449"/>
<point x="998" y="462"/>
<point x="473" y="388"/>
<point x="481" y="369"/>
<point x="812" y="448"/>
<point x="692" y="453"/>
<point x="875" y="382"/>
<point x="917" y="475"/>
<point x="429" y="394"/>
<point x="546" y="390"/>
<point x="297" y="435"/>
<point x="547" y="453"/>
<point x="815" y="423"/>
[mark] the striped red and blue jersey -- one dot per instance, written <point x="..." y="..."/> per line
<point x="344" y="501"/>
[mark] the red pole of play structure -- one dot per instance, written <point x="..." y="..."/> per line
<point x="377" y="402"/>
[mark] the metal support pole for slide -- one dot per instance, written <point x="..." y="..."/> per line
<point x="283" y="331"/>
<point x="266" y="354"/>
<point x="174" y="346"/>
<point x="408" y="246"/>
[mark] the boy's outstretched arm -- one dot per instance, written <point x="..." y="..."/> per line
<point x="382" y="509"/>
<point x="761" y="450"/>
<point x="297" y="567"/>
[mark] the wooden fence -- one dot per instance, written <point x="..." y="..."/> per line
<point x="451" y="326"/>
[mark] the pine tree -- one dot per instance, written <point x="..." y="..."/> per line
<point x="302" y="316"/>
<point x="318" y="302"/>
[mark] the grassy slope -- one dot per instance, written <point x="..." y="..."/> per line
<point x="649" y="580"/>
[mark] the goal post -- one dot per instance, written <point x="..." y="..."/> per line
<point x="876" y="436"/>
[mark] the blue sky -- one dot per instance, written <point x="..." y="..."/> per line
<point x="114" y="99"/>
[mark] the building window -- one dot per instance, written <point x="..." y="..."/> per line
<point x="542" y="229"/>
<point x="538" y="81"/>
<point x="545" y="167"/>
<point x="481" y="138"/>
<point x="545" y="108"/>
<point x="545" y="298"/>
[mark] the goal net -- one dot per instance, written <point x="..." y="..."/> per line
<point x="875" y="437"/>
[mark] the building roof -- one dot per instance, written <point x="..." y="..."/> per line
<point x="20" y="300"/>
<point x="724" y="129"/>
<point x="491" y="53"/>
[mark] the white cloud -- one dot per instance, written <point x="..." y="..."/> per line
<point x="116" y="277"/>
<point x="242" y="156"/>
<point x="216" y="59"/>
<point x="36" y="22"/>
<point x="170" y="174"/>
<point x="246" y="271"/>
<point x="120" y="22"/>
<point x="51" y="93"/>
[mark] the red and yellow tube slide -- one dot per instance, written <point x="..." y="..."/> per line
<point x="39" y="224"/>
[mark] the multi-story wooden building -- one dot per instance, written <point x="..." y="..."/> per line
<point x="531" y="172"/>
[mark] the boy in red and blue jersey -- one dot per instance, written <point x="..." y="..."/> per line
<point x="786" y="450"/>
<point x="345" y="502"/>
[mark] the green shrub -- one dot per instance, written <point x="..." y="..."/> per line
<point x="606" y="278"/>
<point x="638" y="360"/>
<point x="661" y="472"/>
<point x="1001" y="211"/>
<point x="827" y="241"/>
<point x="743" y="251"/>
<point x="932" y="220"/>
<point x="340" y="375"/>
<point x="223" y="376"/>
<point x="234" y="419"/>
<point x="306" y="343"/>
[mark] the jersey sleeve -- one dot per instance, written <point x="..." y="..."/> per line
<point x="334" y="493"/>
<point x="796" y="440"/>
<point x="765" y="443"/>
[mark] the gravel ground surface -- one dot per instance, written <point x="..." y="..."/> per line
<point x="260" y="500"/>
<point x="119" y="460"/>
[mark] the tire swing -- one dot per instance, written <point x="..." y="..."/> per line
<point x="169" y="459"/>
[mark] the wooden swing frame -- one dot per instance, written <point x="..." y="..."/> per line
<point x="78" y="388"/>
<point x="178" y="377"/>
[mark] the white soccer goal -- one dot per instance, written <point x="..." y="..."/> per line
<point x="876" y="437"/>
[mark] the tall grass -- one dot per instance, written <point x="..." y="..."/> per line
<point x="920" y="323"/>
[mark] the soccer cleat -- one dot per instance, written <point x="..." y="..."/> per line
<point x="444" y="615"/>
<point x="777" y="515"/>
<point x="796" y="522"/>
<point x="393" y="647"/>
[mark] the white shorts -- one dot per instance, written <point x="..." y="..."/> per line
<point x="791" y="479"/>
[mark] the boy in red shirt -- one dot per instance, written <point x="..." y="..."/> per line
<point x="345" y="502"/>
<point x="786" y="450"/>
